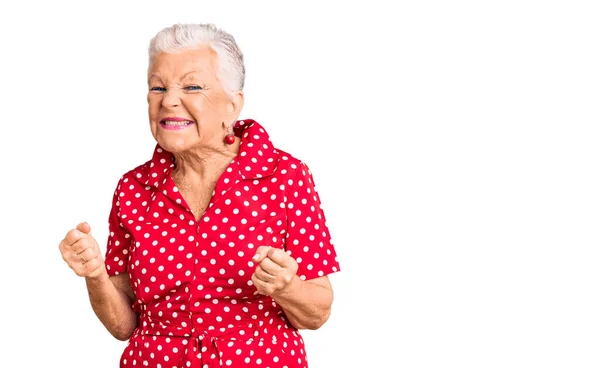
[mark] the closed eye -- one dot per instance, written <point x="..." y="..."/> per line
<point x="193" y="88"/>
<point x="159" y="89"/>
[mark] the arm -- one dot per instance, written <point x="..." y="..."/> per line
<point x="111" y="299"/>
<point x="297" y="277"/>
<point x="307" y="304"/>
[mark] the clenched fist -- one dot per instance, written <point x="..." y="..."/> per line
<point x="275" y="272"/>
<point x="81" y="252"/>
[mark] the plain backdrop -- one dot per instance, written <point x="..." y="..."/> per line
<point x="455" y="146"/>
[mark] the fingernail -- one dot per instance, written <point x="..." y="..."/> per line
<point x="256" y="256"/>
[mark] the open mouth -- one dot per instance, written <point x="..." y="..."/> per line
<point x="175" y="124"/>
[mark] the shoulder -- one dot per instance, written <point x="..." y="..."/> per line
<point x="295" y="171"/>
<point x="137" y="176"/>
<point x="290" y="163"/>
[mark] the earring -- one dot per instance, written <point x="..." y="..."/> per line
<point x="229" y="138"/>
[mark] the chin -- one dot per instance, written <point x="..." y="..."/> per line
<point x="174" y="145"/>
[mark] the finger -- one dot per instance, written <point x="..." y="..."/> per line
<point x="260" y="285"/>
<point x="65" y="251"/>
<point x="261" y="253"/>
<point x="73" y="236"/>
<point x="75" y="258"/>
<point x="91" y="266"/>
<point x="270" y="267"/>
<point x="81" y="245"/>
<point x="63" y="246"/>
<point x="87" y="255"/>
<point x="262" y="275"/>
<point x="84" y="227"/>
<point x="279" y="256"/>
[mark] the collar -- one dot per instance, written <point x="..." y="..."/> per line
<point x="256" y="158"/>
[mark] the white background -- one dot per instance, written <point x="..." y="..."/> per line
<point x="455" y="146"/>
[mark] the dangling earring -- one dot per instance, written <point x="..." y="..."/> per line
<point x="229" y="138"/>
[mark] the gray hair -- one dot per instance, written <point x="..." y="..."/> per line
<point x="184" y="36"/>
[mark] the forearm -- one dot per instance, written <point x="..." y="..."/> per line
<point x="112" y="306"/>
<point x="306" y="305"/>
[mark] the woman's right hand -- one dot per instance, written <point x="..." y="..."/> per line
<point x="82" y="253"/>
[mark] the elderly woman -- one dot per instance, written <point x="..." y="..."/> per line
<point x="218" y="250"/>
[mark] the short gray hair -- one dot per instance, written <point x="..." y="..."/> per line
<point x="184" y="36"/>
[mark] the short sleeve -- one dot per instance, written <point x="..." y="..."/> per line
<point x="308" y="239"/>
<point x="117" y="248"/>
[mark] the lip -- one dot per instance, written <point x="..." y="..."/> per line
<point x="175" y="127"/>
<point x="175" y="118"/>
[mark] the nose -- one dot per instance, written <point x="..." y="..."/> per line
<point x="171" y="99"/>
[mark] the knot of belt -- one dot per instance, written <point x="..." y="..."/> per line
<point x="201" y="351"/>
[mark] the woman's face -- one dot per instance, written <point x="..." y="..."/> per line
<point x="187" y="105"/>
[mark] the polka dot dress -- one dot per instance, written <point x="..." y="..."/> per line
<point x="192" y="279"/>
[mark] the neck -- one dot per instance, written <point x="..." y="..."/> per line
<point x="204" y="163"/>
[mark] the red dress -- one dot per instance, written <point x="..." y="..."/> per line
<point x="192" y="279"/>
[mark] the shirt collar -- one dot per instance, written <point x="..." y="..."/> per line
<point x="256" y="158"/>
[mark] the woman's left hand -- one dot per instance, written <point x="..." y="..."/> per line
<point x="276" y="271"/>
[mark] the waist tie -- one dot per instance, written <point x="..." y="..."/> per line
<point x="201" y="351"/>
<point x="201" y="346"/>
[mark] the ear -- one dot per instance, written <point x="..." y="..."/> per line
<point x="236" y="104"/>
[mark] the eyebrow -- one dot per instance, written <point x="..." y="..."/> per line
<point x="184" y="76"/>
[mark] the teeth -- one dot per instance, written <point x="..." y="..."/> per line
<point x="177" y="123"/>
